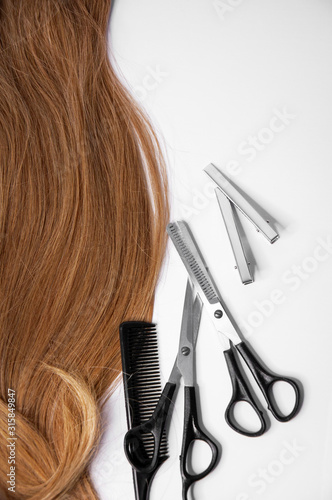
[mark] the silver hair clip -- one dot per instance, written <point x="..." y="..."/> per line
<point x="228" y="198"/>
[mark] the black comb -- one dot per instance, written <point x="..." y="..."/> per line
<point x="142" y="389"/>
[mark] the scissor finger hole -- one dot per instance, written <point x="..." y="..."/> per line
<point x="198" y="457"/>
<point x="284" y="397"/>
<point x="245" y="417"/>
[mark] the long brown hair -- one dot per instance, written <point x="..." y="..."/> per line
<point x="83" y="210"/>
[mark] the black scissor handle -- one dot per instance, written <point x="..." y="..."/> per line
<point x="191" y="433"/>
<point x="155" y="426"/>
<point x="266" y="380"/>
<point x="241" y="393"/>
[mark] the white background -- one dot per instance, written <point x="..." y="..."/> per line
<point x="222" y="75"/>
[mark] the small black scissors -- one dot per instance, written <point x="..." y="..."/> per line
<point x="183" y="366"/>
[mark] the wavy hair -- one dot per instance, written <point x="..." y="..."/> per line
<point x="83" y="210"/>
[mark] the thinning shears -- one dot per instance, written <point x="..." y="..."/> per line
<point x="156" y="425"/>
<point x="234" y="345"/>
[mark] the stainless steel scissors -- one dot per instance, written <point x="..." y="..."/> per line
<point x="183" y="367"/>
<point x="234" y="345"/>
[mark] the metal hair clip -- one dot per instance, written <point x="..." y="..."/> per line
<point x="228" y="198"/>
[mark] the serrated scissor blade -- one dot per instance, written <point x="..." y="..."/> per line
<point x="190" y="256"/>
<point x="188" y="251"/>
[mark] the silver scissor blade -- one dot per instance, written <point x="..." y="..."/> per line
<point x="187" y="324"/>
<point x="189" y="253"/>
<point x="185" y="357"/>
<point x="241" y="203"/>
<point x="197" y="313"/>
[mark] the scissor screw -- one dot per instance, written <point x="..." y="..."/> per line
<point x="218" y="313"/>
<point x="185" y="351"/>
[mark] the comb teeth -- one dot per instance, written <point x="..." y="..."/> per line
<point x="191" y="263"/>
<point x="141" y="376"/>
